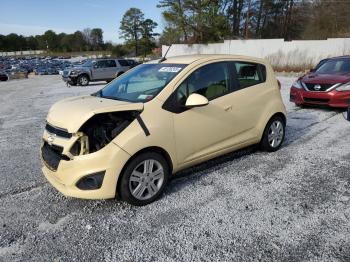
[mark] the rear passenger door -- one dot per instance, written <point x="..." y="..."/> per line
<point x="124" y="65"/>
<point x="249" y="99"/>
<point x="100" y="70"/>
<point x="111" y="69"/>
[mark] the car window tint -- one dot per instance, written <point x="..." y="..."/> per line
<point x="249" y="74"/>
<point x="111" y="63"/>
<point x="101" y="64"/>
<point x="211" y="81"/>
<point x="123" y="62"/>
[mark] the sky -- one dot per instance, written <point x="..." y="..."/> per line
<point x="32" y="17"/>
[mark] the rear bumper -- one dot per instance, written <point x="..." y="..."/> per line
<point x="331" y="99"/>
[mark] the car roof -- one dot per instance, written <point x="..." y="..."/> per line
<point x="339" y="57"/>
<point x="189" y="59"/>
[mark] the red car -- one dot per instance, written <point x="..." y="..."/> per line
<point x="328" y="84"/>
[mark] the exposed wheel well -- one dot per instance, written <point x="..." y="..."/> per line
<point x="84" y="74"/>
<point x="155" y="149"/>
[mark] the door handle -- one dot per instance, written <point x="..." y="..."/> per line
<point x="228" y="108"/>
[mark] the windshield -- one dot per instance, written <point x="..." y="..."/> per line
<point x="142" y="83"/>
<point x="335" y="67"/>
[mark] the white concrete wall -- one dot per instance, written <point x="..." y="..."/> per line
<point x="279" y="52"/>
<point x="32" y="52"/>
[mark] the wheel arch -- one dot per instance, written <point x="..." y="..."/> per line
<point x="277" y="114"/>
<point x="155" y="149"/>
<point x="84" y="74"/>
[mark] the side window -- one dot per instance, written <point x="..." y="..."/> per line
<point x="123" y="62"/>
<point x="211" y="81"/>
<point x="101" y="64"/>
<point x="249" y="74"/>
<point x="111" y="63"/>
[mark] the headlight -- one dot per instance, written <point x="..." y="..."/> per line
<point x="74" y="72"/>
<point x="298" y="84"/>
<point x="344" y="87"/>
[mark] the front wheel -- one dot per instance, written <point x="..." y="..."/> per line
<point x="83" y="80"/>
<point x="274" y="134"/>
<point x="144" y="179"/>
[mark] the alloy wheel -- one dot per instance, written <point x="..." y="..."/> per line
<point x="276" y="133"/>
<point x="146" y="179"/>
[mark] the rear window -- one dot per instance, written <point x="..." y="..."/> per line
<point x="111" y="63"/>
<point x="123" y="62"/>
<point x="249" y="74"/>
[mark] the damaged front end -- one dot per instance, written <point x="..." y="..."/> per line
<point x="100" y="130"/>
<point x="97" y="132"/>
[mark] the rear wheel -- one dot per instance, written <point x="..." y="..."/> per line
<point x="274" y="134"/>
<point x="83" y="80"/>
<point x="144" y="179"/>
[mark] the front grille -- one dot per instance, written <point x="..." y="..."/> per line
<point x="57" y="131"/>
<point x="316" y="100"/>
<point x="52" y="155"/>
<point x="323" y="87"/>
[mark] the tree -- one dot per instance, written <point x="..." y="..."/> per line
<point x="176" y="17"/>
<point x="131" y="27"/>
<point x="96" y="36"/>
<point x="137" y="31"/>
<point x="50" y="38"/>
<point x="147" y="36"/>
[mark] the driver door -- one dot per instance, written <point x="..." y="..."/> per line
<point x="202" y="131"/>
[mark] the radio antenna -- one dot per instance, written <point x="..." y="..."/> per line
<point x="164" y="57"/>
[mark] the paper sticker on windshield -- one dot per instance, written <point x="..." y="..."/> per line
<point x="170" y="69"/>
<point x="145" y="97"/>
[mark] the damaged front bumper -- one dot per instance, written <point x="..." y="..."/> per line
<point x="66" y="172"/>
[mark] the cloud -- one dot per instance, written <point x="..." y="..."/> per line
<point x="29" y="29"/>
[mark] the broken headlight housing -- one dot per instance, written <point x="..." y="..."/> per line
<point x="100" y="130"/>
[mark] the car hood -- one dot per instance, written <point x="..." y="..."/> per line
<point x="72" y="113"/>
<point x="314" y="78"/>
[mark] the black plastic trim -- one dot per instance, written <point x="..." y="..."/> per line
<point x="58" y="131"/>
<point x="143" y="126"/>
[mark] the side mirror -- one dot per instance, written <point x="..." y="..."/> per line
<point x="196" y="100"/>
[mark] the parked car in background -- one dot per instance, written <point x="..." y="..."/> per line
<point x="133" y="63"/>
<point x="3" y="76"/>
<point x="161" y="117"/>
<point x="28" y="64"/>
<point x="328" y="84"/>
<point x="95" y="70"/>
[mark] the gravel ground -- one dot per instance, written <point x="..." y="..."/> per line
<point x="291" y="205"/>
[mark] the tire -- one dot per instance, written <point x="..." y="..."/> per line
<point x="83" y="80"/>
<point x="120" y="73"/>
<point x="137" y="186"/>
<point x="274" y="134"/>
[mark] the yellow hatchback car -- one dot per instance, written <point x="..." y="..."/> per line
<point x="156" y="119"/>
